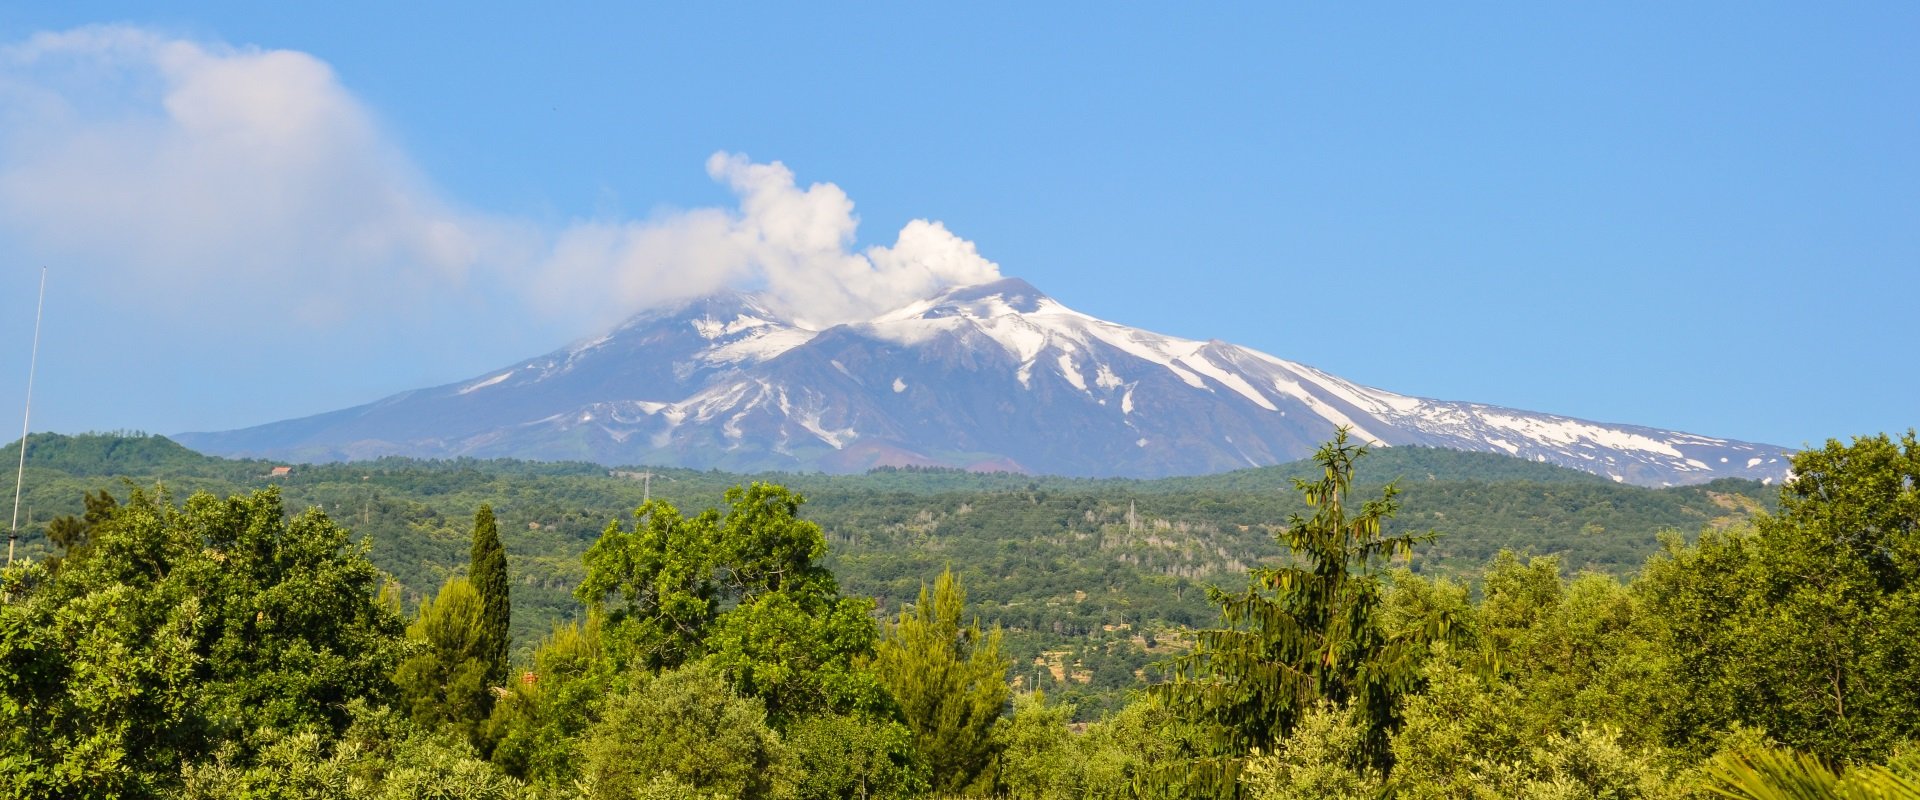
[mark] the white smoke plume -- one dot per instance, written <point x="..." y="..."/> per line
<point x="797" y="243"/>
<point x="202" y="176"/>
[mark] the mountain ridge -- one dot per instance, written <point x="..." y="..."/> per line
<point x="993" y="376"/>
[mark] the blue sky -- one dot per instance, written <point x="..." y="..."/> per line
<point x="1703" y="217"/>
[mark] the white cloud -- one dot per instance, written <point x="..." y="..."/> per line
<point x="252" y="181"/>
<point x="183" y="171"/>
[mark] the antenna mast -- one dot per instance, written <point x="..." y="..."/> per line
<point x="33" y="362"/>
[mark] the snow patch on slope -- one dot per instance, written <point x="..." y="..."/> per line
<point x="1072" y="373"/>
<point x="763" y="345"/>
<point x="1199" y="363"/>
<point x="1323" y="409"/>
<point x="488" y="382"/>
<point x="1564" y="431"/>
<point x="710" y="328"/>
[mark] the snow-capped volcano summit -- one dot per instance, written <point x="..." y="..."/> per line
<point x="994" y="376"/>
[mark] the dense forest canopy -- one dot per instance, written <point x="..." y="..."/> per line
<point x="1371" y="623"/>
<point x="1090" y="579"/>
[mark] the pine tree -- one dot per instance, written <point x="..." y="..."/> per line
<point x="445" y="680"/>
<point x="488" y="571"/>
<point x="950" y="681"/>
<point x="1300" y="635"/>
<point x="70" y="533"/>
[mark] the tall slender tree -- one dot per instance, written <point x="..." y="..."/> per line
<point x="1301" y="634"/>
<point x="950" y="680"/>
<point x="488" y="572"/>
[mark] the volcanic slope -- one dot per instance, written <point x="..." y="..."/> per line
<point x="996" y="376"/>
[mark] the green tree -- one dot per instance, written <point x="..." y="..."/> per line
<point x="445" y="681"/>
<point x="426" y="767"/>
<point x="801" y="655"/>
<point x="791" y="639"/>
<point x="292" y="766"/>
<point x="1809" y="625"/>
<point x="1315" y="762"/>
<point x="1304" y="633"/>
<point x="534" y="726"/>
<point x="70" y="534"/>
<point x="949" y="679"/>
<point x="764" y="546"/>
<point x="1517" y="597"/>
<point x="380" y="757"/>
<point x="1418" y="603"/>
<point x="842" y="757"/>
<point x="1039" y="759"/>
<point x="654" y="586"/>
<point x="180" y="627"/>
<point x="786" y="636"/>
<point x="1578" y="651"/>
<point x="487" y="568"/>
<point x="1121" y="754"/>
<point x="1466" y="736"/>
<point x="96" y="689"/>
<point x="687" y="727"/>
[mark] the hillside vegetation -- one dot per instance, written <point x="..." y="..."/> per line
<point x="1088" y="577"/>
<point x="228" y="647"/>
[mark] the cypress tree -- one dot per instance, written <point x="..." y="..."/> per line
<point x="488" y="572"/>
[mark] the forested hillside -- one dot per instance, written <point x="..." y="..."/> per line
<point x="1087" y="576"/>
<point x="229" y="647"/>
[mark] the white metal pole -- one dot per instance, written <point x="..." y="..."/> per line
<point x="33" y="362"/>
